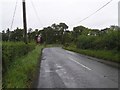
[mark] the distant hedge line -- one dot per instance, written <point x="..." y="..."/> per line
<point x="109" y="41"/>
<point x="13" y="50"/>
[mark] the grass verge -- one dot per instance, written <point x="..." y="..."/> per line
<point x="22" y="71"/>
<point x="102" y="54"/>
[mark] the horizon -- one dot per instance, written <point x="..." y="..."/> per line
<point x="50" y="25"/>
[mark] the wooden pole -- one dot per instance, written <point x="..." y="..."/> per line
<point x="24" y="21"/>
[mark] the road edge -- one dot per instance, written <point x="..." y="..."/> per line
<point x="36" y="78"/>
<point x="113" y="64"/>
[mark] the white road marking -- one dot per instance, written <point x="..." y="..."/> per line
<point x="79" y="63"/>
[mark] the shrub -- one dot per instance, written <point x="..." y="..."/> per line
<point x="112" y="40"/>
<point x="22" y="72"/>
<point x="108" y="41"/>
<point x="13" y="50"/>
<point x="85" y="42"/>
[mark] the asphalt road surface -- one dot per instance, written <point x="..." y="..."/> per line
<point x="65" y="69"/>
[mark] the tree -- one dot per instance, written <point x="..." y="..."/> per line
<point x="67" y="38"/>
<point x="4" y="36"/>
<point x="17" y="35"/>
<point x="62" y="28"/>
<point x="8" y="34"/>
<point x="30" y="30"/>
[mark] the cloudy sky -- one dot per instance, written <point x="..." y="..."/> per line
<point x="70" y="12"/>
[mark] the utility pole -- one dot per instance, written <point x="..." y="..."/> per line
<point x="24" y="21"/>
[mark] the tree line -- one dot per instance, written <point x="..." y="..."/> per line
<point x="81" y="37"/>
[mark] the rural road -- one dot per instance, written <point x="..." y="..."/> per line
<point x="65" y="69"/>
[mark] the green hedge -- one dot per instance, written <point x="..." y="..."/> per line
<point x="22" y="72"/>
<point x="108" y="41"/>
<point x="13" y="50"/>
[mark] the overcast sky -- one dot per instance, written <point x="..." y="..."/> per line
<point x="70" y="12"/>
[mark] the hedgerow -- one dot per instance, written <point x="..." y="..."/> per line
<point x="22" y="72"/>
<point x="13" y="50"/>
<point x="109" y="41"/>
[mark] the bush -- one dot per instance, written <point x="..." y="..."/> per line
<point x="108" y="41"/>
<point x="22" y="71"/>
<point x="85" y="42"/>
<point x="112" y="40"/>
<point x="13" y="50"/>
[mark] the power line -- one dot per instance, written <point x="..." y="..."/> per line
<point x="36" y="12"/>
<point x="96" y="11"/>
<point x="13" y="15"/>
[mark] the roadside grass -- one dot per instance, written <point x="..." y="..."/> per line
<point x="22" y="71"/>
<point x="102" y="54"/>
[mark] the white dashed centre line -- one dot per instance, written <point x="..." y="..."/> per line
<point x="79" y="63"/>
